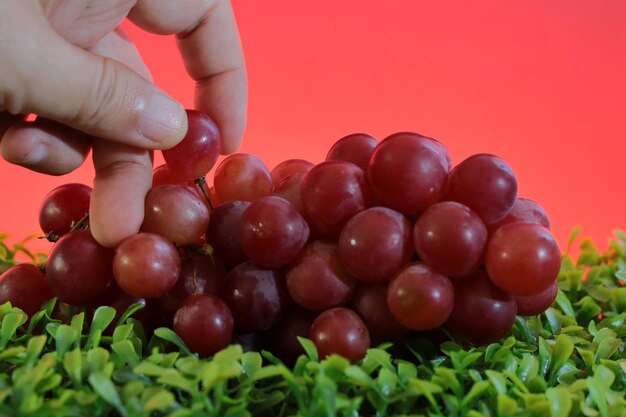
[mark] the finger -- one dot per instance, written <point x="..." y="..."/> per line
<point x="210" y="46"/>
<point x="123" y="177"/>
<point x="45" y="146"/>
<point x="48" y="76"/>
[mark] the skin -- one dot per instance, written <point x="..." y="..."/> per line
<point x="68" y="62"/>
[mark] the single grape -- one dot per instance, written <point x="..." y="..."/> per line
<point x="333" y="192"/>
<point x="450" y="237"/>
<point x="255" y="296"/>
<point x="533" y="304"/>
<point x="523" y="258"/>
<point x="290" y="190"/>
<point x="242" y="176"/>
<point x="317" y="280"/>
<point x="288" y="168"/>
<point x="79" y="269"/>
<point x="282" y="338"/>
<point x="524" y="210"/>
<point x="272" y="232"/>
<point x="407" y="172"/>
<point x="205" y="324"/>
<point x="370" y="303"/>
<point x="375" y="243"/>
<point x="340" y="331"/>
<point x="482" y="312"/>
<point x="146" y="265"/>
<point x="356" y="148"/>
<point x="200" y="274"/>
<point x="444" y="152"/>
<point x="63" y="206"/>
<point x="419" y="297"/>
<point x="196" y="154"/>
<point x="484" y="183"/>
<point x="175" y="212"/>
<point x="223" y="232"/>
<point x="163" y="175"/>
<point x="25" y="287"/>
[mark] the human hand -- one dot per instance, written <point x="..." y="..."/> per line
<point x="67" y="62"/>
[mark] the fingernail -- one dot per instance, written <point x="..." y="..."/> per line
<point x="162" y="119"/>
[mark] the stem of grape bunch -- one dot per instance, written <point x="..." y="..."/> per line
<point x="201" y="183"/>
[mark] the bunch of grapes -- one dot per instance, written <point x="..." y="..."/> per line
<point x="380" y="240"/>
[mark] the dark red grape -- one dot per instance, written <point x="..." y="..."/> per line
<point x="407" y="172"/>
<point x="370" y="303"/>
<point x="450" y="237"/>
<point x="484" y="183"/>
<point x="533" y="304"/>
<point x="223" y="232"/>
<point x="255" y="296"/>
<point x="419" y="297"/>
<point x="333" y="192"/>
<point x="163" y="175"/>
<point x="205" y="324"/>
<point x="356" y="148"/>
<point x="340" y="331"/>
<point x="176" y="212"/>
<point x="482" y="312"/>
<point x="146" y="265"/>
<point x="196" y="154"/>
<point x="290" y="190"/>
<point x="62" y="206"/>
<point x="288" y="168"/>
<point x="200" y="274"/>
<point x="25" y="287"/>
<point x="272" y="232"/>
<point x="242" y="176"/>
<point x="317" y="280"/>
<point x="79" y="269"/>
<point x="375" y="244"/>
<point x="524" y="210"/>
<point x="523" y="258"/>
<point x="282" y="338"/>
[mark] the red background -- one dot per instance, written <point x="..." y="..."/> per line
<point x="541" y="84"/>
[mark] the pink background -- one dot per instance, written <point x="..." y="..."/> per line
<point x="541" y="84"/>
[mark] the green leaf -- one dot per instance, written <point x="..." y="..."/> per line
<point x="564" y="304"/>
<point x="72" y="363"/>
<point x="309" y="348"/>
<point x="10" y="323"/>
<point x="560" y="402"/>
<point x="596" y="390"/>
<point x="65" y="337"/>
<point x="169" y="336"/>
<point x="158" y="400"/>
<point x="103" y="386"/>
<point x="476" y="391"/>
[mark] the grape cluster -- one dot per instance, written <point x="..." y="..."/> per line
<point x="380" y="240"/>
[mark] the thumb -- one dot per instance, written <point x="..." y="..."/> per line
<point x="97" y="95"/>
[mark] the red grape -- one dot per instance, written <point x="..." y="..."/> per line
<point x="333" y="192"/>
<point x="482" y="312"/>
<point x="146" y="265"/>
<point x="290" y="190"/>
<point x="223" y="232"/>
<point x="25" y="287"/>
<point x="196" y="154"/>
<point x="419" y="297"/>
<point x="407" y="172"/>
<point x="375" y="244"/>
<point x="242" y="176"/>
<point x="356" y="148"/>
<point x="484" y="183"/>
<point x="205" y="324"/>
<point x="175" y="212"/>
<point x="340" y="331"/>
<point x="370" y="303"/>
<point x="450" y="237"/>
<point x="272" y="232"/>
<point x="317" y="280"/>
<point x="63" y="205"/>
<point x="533" y="304"/>
<point x="163" y="175"/>
<point x="200" y="274"/>
<point x="79" y="269"/>
<point x="288" y="168"/>
<point x="523" y="258"/>
<point x="524" y="210"/>
<point x="255" y="296"/>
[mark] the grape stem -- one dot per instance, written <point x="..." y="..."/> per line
<point x="201" y="183"/>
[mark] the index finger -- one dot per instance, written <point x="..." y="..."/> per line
<point x="209" y="44"/>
